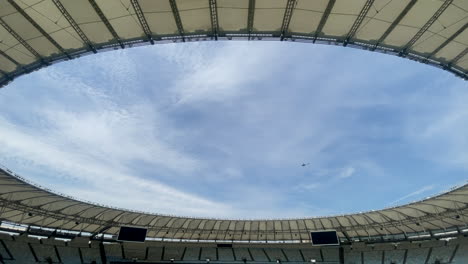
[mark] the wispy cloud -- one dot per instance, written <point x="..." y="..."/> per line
<point x="220" y="129"/>
<point x="418" y="192"/>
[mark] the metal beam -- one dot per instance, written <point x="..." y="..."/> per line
<point x="287" y="17"/>
<point x="214" y="18"/>
<point x="447" y="41"/>
<point x="10" y="58"/>
<point x="458" y="57"/>
<point x="106" y="22"/>
<point x="396" y="22"/>
<point x="357" y="23"/>
<point x="427" y="25"/>
<point x="250" y="17"/>
<point x="74" y="25"/>
<point x="324" y="19"/>
<point x="142" y="20"/>
<point x="175" y="12"/>
<point x="22" y="41"/>
<point x="39" y="28"/>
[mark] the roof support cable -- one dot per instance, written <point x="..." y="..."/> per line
<point x="142" y="20"/>
<point x="214" y="18"/>
<point x="106" y="22"/>
<point x="324" y="19"/>
<point x="175" y="12"/>
<point x="447" y="41"/>
<point x="74" y="25"/>
<point x="23" y="42"/>
<point x="287" y="18"/>
<point x="424" y="28"/>
<point x="250" y="17"/>
<point x="39" y="28"/>
<point x="395" y="23"/>
<point x="357" y="23"/>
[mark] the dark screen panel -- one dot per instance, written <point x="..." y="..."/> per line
<point x="324" y="238"/>
<point x="132" y="234"/>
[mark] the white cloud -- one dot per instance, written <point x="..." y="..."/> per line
<point x="415" y="193"/>
<point x="346" y="172"/>
<point x="218" y="74"/>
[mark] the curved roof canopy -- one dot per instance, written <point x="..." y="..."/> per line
<point x="25" y="203"/>
<point x="36" y="33"/>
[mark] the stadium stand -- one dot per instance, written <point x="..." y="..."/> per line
<point x="394" y="256"/>
<point x="114" y="251"/>
<point x="242" y="254"/>
<point x="90" y="255"/>
<point x="312" y="254"/>
<point x="429" y="231"/>
<point x="69" y="254"/>
<point x="173" y="253"/>
<point x="24" y="249"/>
<point x="258" y="254"/>
<point x="208" y="253"/>
<point x="461" y="255"/>
<point x="352" y="257"/>
<point x="330" y="254"/>
<point x="293" y="255"/>
<point x="192" y="253"/>
<point x="155" y="253"/>
<point x="225" y="254"/>
<point x="134" y="250"/>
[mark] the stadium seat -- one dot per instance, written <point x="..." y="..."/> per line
<point x="394" y="256"/>
<point x="312" y="253"/>
<point x="134" y="251"/>
<point x="208" y="253"/>
<point x="331" y="254"/>
<point x="461" y="256"/>
<point x="293" y="255"/>
<point x="441" y="254"/>
<point x="258" y="254"/>
<point x="242" y="254"/>
<point x="373" y="256"/>
<point x="90" y="254"/>
<point x="45" y="253"/>
<point x="225" y="254"/>
<point x="113" y="251"/>
<point x="352" y="257"/>
<point x="155" y="253"/>
<point x="417" y="256"/>
<point x="275" y="254"/>
<point x="20" y="251"/>
<point x="173" y="252"/>
<point x="192" y="254"/>
<point x="69" y="255"/>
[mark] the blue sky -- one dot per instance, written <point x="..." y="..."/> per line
<point x="220" y="129"/>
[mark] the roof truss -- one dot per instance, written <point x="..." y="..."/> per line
<point x="287" y="17"/>
<point x="357" y="23"/>
<point x="323" y="19"/>
<point x="106" y="22"/>
<point x="142" y="20"/>
<point x="22" y="41"/>
<point x="178" y="20"/>
<point x="214" y="18"/>
<point x="39" y="28"/>
<point x="74" y="25"/>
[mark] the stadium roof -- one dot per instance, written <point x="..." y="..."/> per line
<point x="25" y="203"/>
<point x="36" y="33"/>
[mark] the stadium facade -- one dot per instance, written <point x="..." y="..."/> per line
<point x="40" y="225"/>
